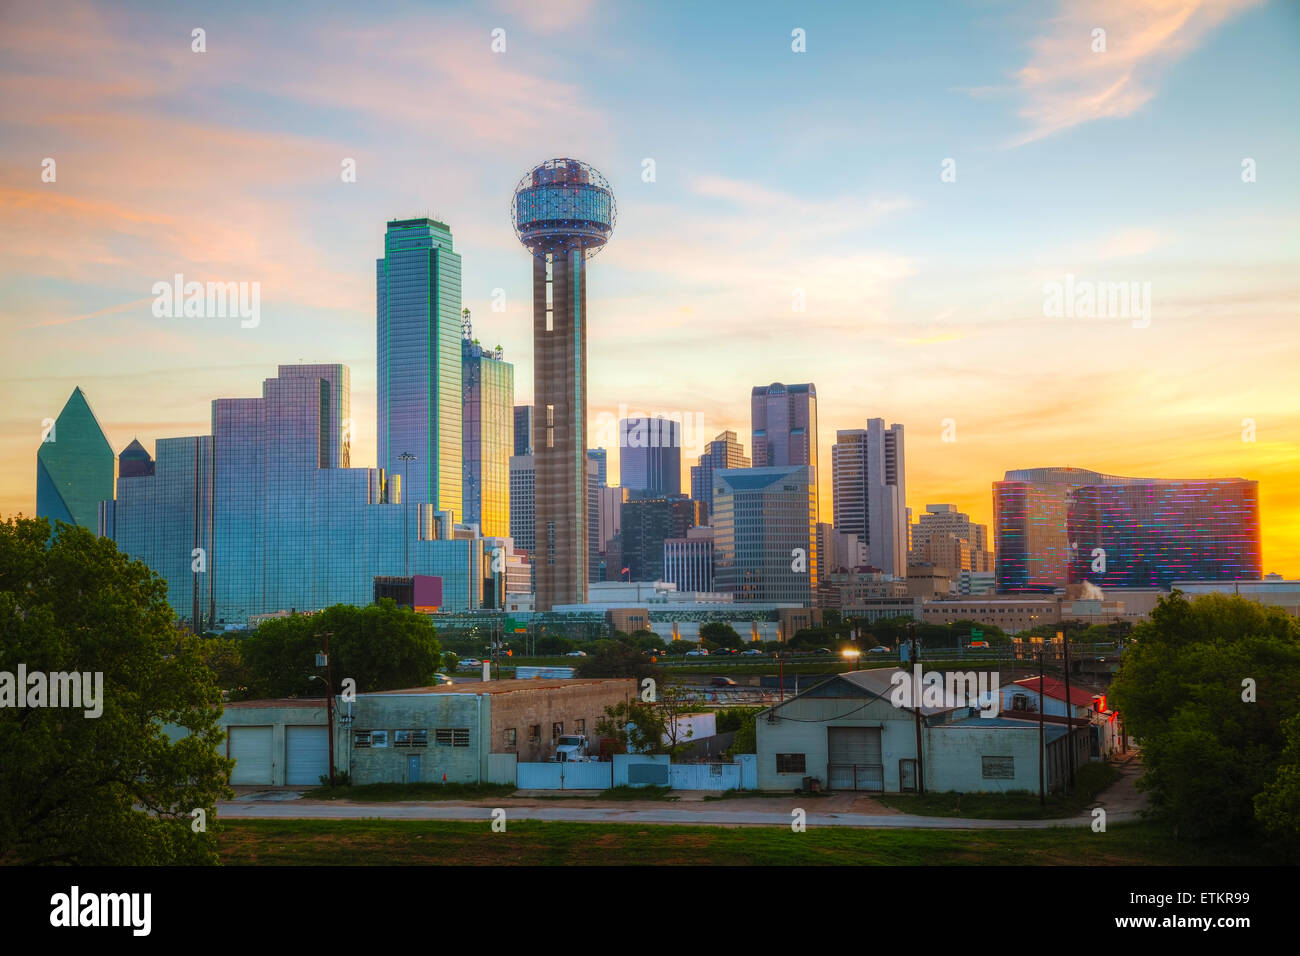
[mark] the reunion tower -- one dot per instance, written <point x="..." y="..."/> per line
<point x="563" y="212"/>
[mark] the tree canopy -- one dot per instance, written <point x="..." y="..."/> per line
<point x="111" y="789"/>
<point x="1208" y="687"/>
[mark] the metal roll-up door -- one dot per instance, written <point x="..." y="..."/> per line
<point x="854" y="760"/>
<point x="309" y="758"/>
<point x="250" y="748"/>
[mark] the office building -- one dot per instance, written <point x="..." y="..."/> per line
<point x="1063" y="526"/>
<point x="74" y="466"/>
<point x="419" y="371"/>
<point x="869" y="494"/>
<point x="648" y="522"/>
<point x="938" y="536"/>
<point x="597" y="456"/>
<point x="784" y="424"/>
<point x="523" y="513"/>
<point x="765" y="534"/>
<point x="488" y="437"/>
<point x="563" y="212"/>
<point x="523" y="429"/>
<point x="688" y="561"/>
<point x="650" y="457"/>
<point x="725" y="451"/>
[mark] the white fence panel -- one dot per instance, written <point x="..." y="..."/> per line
<point x="705" y="776"/>
<point x="538" y="776"/>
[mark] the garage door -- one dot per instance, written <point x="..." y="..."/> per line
<point x="250" y="747"/>
<point x="308" y="755"/>
<point x="854" y="761"/>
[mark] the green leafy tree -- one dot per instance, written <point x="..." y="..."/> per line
<point x="721" y="634"/>
<point x="1208" y="750"/>
<point x="380" y="646"/>
<point x="614" y="659"/>
<point x="1278" y="807"/>
<point x="635" y="726"/>
<point x="112" y="789"/>
<point x="553" y="645"/>
<point x="450" y="661"/>
<point x="223" y="657"/>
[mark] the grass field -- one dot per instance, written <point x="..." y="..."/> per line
<point x="535" y="843"/>
<point x="1090" y="780"/>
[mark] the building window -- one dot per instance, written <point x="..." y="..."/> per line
<point x="362" y="739"/>
<point x="534" y="733"/>
<point x="511" y="736"/>
<point x="442" y="737"/>
<point x="401" y="738"/>
<point x="790" y="763"/>
<point x="580" y="726"/>
<point x="460" y="737"/>
<point x="557" y="729"/>
<point x="999" y="768"/>
<point x="419" y="738"/>
<point x="379" y="738"/>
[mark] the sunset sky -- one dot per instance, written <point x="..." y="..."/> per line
<point x="775" y="171"/>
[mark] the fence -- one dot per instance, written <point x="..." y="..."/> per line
<point x="565" y="775"/>
<point x="637" y="770"/>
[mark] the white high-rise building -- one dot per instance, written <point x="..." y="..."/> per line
<point x="868" y="491"/>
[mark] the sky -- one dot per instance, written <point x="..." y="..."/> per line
<point x="886" y="213"/>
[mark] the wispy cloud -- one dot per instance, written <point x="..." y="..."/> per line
<point x="1067" y="83"/>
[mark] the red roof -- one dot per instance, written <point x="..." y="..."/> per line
<point x="1055" y="689"/>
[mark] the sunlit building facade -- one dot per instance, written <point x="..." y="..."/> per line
<point x="418" y="374"/>
<point x="765" y="534"/>
<point x="488" y="424"/>
<point x="1062" y="526"/>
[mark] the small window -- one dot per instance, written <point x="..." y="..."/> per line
<point x="460" y="737"/>
<point x="379" y="738"/>
<point x="401" y="738"/>
<point x="419" y="738"/>
<point x="580" y="726"/>
<point x="511" y="736"/>
<point x="790" y="763"/>
<point x="999" y="768"/>
<point x="534" y="733"/>
<point x="442" y="737"/>
<point x="557" y="729"/>
<point x="361" y="739"/>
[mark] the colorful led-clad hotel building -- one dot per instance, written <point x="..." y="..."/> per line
<point x="1061" y="526"/>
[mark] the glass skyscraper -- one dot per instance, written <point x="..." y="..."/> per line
<point x="1060" y="526"/>
<point x="760" y="517"/>
<point x="650" y="456"/>
<point x="488" y="438"/>
<point x="784" y="420"/>
<point x="419" y="378"/>
<point x="868" y="492"/>
<point x="725" y="451"/>
<point x="74" y="466"/>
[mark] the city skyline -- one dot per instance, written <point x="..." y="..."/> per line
<point x="923" y="307"/>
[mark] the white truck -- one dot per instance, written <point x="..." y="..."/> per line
<point x="571" y="747"/>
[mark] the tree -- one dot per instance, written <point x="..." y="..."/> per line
<point x="671" y="704"/>
<point x="1207" y="687"/>
<point x="636" y="726"/>
<point x="380" y="647"/>
<point x="721" y="633"/>
<point x="1278" y="807"/>
<point x="113" y="788"/>
<point x="614" y="659"/>
<point x="553" y="645"/>
<point x="450" y="661"/>
<point x="222" y="656"/>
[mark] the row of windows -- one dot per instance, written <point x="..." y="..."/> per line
<point x="442" y="737"/>
<point x="992" y="768"/>
<point x="510" y="737"/>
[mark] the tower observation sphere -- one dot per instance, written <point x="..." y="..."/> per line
<point x="562" y="205"/>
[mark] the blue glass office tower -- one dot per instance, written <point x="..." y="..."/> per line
<point x="418" y="319"/>
<point x="760" y="517"/>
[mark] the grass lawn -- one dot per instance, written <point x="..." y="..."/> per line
<point x="533" y="843"/>
<point x="390" y="792"/>
<point x="1090" y="780"/>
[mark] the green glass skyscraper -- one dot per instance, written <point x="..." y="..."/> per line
<point x="74" y="466"/>
<point x="419" y="363"/>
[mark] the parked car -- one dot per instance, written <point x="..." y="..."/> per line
<point x="721" y="682"/>
<point x="879" y="650"/>
<point x="469" y="662"/>
<point x="576" y="654"/>
<point x="822" y="650"/>
<point x="752" y="652"/>
<point x="698" y="652"/>
<point x="725" y="651"/>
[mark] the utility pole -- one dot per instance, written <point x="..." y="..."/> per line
<point x="916" y="710"/>
<point x="1069" y="716"/>
<point x="1042" y="792"/>
<point x="329" y="700"/>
